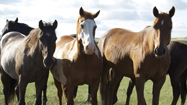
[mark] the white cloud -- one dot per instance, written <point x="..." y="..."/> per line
<point x="130" y="14"/>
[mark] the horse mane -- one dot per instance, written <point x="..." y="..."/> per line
<point x="25" y="27"/>
<point x="32" y="39"/>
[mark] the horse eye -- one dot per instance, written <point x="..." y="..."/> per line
<point x="82" y="26"/>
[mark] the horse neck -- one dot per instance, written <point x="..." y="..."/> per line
<point x="24" y="29"/>
<point x="148" y="42"/>
<point x="33" y="44"/>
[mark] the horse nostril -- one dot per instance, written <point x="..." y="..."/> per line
<point x="160" y="51"/>
<point x="87" y="48"/>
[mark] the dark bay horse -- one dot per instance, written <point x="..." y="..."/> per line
<point x="139" y="55"/>
<point x="177" y="72"/>
<point x="27" y="59"/>
<point x="78" y="59"/>
<point x="16" y="26"/>
<point x="24" y="29"/>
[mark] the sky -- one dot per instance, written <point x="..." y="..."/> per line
<point x="134" y="15"/>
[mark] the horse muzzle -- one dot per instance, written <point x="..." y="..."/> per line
<point x="89" y="49"/>
<point x="48" y="62"/>
<point x="160" y="51"/>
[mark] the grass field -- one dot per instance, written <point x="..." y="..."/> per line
<point x="165" y="95"/>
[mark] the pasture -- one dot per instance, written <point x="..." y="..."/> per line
<point x="165" y="95"/>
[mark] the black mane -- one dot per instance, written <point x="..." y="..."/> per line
<point x="19" y="27"/>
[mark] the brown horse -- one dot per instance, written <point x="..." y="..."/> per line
<point x="177" y="72"/>
<point x="27" y="59"/>
<point x="78" y="59"/>
<point x="139" y="55"/>
<point x="24" y="29"/>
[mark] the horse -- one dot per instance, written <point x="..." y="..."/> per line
<point x="139" y="55"/>
<point x="78" y="59"/>
<point x="177" y="72"/>
<point x="28" y="63"/>
<point x="24" y="29"/>
<point x="15" y="26"/>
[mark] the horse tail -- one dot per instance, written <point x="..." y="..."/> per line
<point x="9" y="85"/>
<point x="12" y="92"/>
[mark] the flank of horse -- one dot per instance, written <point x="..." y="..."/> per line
<point x="138" y="55"/>
<point x="28" y="63"/>
<point x="177" y="72"/>
<point x="24" y="29"/>
<point x="78" y="59"/>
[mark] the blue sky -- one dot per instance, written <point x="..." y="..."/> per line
<point x="128" y="14"/>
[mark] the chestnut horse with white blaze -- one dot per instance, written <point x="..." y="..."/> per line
<point x="139" y="55"/>
<point x="78" y="59"/>
<point x="177" y="72"/>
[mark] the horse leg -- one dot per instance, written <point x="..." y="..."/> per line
<point x="129" y="90"/>
<point x="157" y="85"/>
<point x="44" y="92"/>
<point x="175" y="87"/>
<point x="183" y="87"/>
<point x="140" y="90"/>
<point x="89" y="94"/>
<point x="70" y="88"/>
<point x="40" y="85"/>
<point x="59" y="90"/>
<point x="94" y="87"/>
<point x="8" y="87"/>
<point x="103" y="85"/>
<point x="17" y="92"/>
<point x="75" y="92"/>
<point x="115" y="98"/>
<point x="22" y="84"/>
<point x="113" y="87"/>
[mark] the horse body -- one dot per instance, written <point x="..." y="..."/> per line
<point x="9" y="52"/>
<point x="28" y="63"/>
<point x="78" y="59"/>
<point x="135" y="54"/>
<point x="138" y="55"/>
<point x="178" y="70"/>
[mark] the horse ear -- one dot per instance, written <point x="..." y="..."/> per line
<point x="55" y="23"/>
<point x="16" y="21"/>
<point x="172" y="11"/>
<point x="6" y="20"/>
<point x="96" y="14"/>
<point x="81" y="11"/>
<point x="41" y="25"/>
<point x="155" y="11"/>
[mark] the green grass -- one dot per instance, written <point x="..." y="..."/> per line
<point x="165" y="94"/>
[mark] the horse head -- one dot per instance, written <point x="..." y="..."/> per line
<point x="86" y="27"/>
<point x="10" y="26"/>
<point x="162" y="31"/>
<point x="47" y="41"/>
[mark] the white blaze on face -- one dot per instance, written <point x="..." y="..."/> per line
<point x="86" y="36"/>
